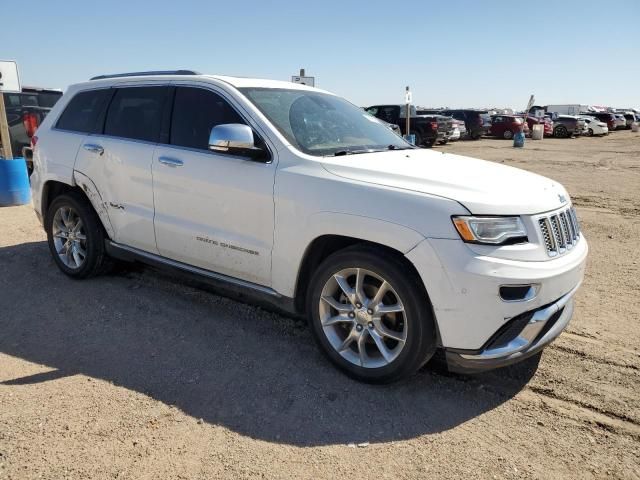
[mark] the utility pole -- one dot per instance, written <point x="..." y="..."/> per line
<point x="407" y="98"/>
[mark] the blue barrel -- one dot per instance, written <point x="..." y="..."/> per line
<point x="518" y="140"/>
<point x="14" y="182"/>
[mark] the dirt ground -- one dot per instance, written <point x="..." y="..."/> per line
<point x="136" y="375"/>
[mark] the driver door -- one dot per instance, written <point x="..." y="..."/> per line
<point x="212" y="210"/>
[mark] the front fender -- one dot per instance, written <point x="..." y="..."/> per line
<point x="289" y="251"/>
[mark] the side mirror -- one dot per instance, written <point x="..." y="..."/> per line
<point x="235" y="139"/>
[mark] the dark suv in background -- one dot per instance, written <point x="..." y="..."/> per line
<point x="477" y="122"/>
<point x="25" y="112"/>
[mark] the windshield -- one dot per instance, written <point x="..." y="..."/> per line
<point x="321" y="124"/>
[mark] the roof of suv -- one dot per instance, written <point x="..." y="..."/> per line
<point x="238" y="82"/>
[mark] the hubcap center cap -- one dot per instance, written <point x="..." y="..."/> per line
<point x="362" y="316"/>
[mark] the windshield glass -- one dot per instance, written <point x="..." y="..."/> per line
<point x="321" y="124"/>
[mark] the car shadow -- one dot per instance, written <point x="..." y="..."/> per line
<point x="255" y="372"/>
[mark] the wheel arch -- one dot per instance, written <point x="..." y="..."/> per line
<point x="82" y="186"/>
<point x="325" y="245"/>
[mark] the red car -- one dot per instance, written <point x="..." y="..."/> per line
<point x="506" y="126"/>
<point x="546" y="121"/>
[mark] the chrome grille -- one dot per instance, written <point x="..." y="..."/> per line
<point x="560" y="231"/>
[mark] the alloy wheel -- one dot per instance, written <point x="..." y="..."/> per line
<point x="69" y="237"/>
<point x="363" y="317"/>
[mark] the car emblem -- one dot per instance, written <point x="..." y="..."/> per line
<point x="562" y="198"/>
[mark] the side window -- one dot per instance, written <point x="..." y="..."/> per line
<point x="195" y="112"/>
<point x="136" y="113"/>
<point x="387" y="114"/>
<point x="82" y="112"/>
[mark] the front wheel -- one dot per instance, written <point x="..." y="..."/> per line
<point x="370" y="315"/>
<point x="75" y="236"/>
<point x="590" y="132"/>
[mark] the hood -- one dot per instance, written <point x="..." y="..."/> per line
<point x="484" y="188"/>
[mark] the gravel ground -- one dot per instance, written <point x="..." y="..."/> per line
<point x="138" y="375"/>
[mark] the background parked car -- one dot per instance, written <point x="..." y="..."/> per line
<point x="566" y="126"/>
<point x="459" y="130"/>
<point x="606" y="117"/>
<point x="621" y="122"/>
<point x="25" y="112"/>
<point x="446" y="123"/>
<point x="506" y="126"/>
<point x="593" y="126"/>
<point x="477" y="122"/>
<point x="630" y="117"/>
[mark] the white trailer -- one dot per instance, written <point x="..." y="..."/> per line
<point x="569" y="109"/>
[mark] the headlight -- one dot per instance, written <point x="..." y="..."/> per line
<point x="490" y="230"/>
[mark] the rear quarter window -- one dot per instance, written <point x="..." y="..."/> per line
<point x="82" y="112"/>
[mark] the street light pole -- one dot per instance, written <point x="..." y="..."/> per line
<point x="408" y="111"/>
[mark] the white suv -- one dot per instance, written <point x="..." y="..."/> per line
<point x="291" y="195"/>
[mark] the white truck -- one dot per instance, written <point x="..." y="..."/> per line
<point x="291" y="195"/>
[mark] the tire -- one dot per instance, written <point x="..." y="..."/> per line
<point x="352" y="342"/>
<point x="418" y="138"/>
<point x="590" y="132"/>
<point x="82" y="247"/>
<point x="507" y="134"/>
<point x="561" y="132"/>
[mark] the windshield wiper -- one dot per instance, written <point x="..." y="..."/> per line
<point x="394" y="147"/>
<point x="341" y="153"/>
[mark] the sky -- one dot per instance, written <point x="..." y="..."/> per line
<point x="456" y="54"/>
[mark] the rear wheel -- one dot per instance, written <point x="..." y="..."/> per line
<point x="418" y="138"/>
<point x="76" y="237"/>
<point x="507" y="135"/>
<point x="561" y="132"/>
<point x="369" y="315"/>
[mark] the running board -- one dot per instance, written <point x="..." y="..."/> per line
<point x="230" y="286"/>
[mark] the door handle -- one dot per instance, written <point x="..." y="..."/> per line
<point x="92" y="147"/>
<point x="172" y="162"/>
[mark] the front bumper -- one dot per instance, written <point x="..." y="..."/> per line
<point x="541" y="327"/>
<point x="464" y="287"/>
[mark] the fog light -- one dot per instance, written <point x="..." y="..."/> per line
<point x="518" y="293"/>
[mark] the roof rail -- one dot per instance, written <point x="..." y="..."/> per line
<point x="143" y="74"/>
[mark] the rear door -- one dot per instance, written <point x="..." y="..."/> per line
<point x="118" y="161"/>
<point x="213" y="210"/>
<point x="79" y="118"/>
<point x="497" y="126"/>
